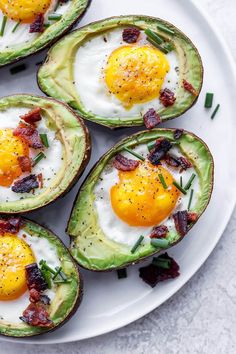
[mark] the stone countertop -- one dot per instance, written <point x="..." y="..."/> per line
<point x="201" y="317"/>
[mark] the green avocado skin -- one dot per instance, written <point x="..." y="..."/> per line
<point x="56" y="75"/>
<point x="68" y="296"/>
<point x="55" y="31"/>
<point x="89" y="246"/>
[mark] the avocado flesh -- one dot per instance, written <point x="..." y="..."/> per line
<point x="89" y="246"/>
<point x="67" y="297"/>
<point x="56" y="75"/>
<point x="56" y="30"/>
<point x="74" y="138"/>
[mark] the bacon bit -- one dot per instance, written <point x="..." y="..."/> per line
<point x="11" y="225"/>
<point x="34" y="278"/>
<point x="192" y="217"/>
<point x="34" y="295"/>
<point x="184" y="163"/>
<point x="159" y="231"/>
<point x="36" y="315"/>
<point x="178" y="133"/>
<point x="159" y="151"/>
<point x="25" y="163"/>
<point x="167" y="97"/>
<point x="130" y="35"/>
<point x="33" y="116"/>
<point x="29" y="134"/>
<point x="181" y="222"/>
<point x="37" y="25"/>
<point x="40" y="179"/>
<point x="121" y="163"/>
<point x="45" y="299"/>
<point x="151" y="119"/>
<point x="25" y="185"/>
<point x="188" y="87"/>
<point x="172" y="161"/>
<point x="153" y="274"/>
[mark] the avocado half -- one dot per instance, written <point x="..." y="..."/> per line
<point x="89" y="246"/>
<point x="75" y="139"/>
<point x="56" y="75"/>
<point x="51" y="34"/>
<point x="68" y="295"/>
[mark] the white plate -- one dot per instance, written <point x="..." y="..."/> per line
<point x="110" y="303"/>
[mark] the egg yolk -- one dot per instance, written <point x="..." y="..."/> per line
<point x="11" y="147"/>
<point x="15" y="254"/>
<point x="24" y="10"/>
<point x="139" y="198"/>
<point x="136" y="74"/>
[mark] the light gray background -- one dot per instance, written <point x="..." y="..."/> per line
<point x="201" y="317"/>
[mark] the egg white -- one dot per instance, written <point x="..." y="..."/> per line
<point x="10" y="311"/>
<point x="112" y="226"/>
<point x="90" y="61"/>
<point x="48" y="166"/>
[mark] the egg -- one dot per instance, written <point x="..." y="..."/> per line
<point x="116" y="79"/>
<point x="129" y="204"/>
<point x="17" y="251"/>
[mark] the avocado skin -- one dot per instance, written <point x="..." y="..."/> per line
<point x="120" y="261"/>
<point x="16" y="56"/>
<point x="193" y="72"/>
<point x="34" y="100"/>
<point x="30" y="331"/>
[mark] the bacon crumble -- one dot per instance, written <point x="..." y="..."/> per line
<point x="192" y="217"/>
<point x="25" y="163"/>
<point x="38" y="24"/>
<point x="151" y="119"/>
<point x="25" y="185"/>
<point x="181" y="222"/>
<point x="188" y="87"/>
<point x="159" y="151"/>
<point x="40" y="179"/>
<point x="36" y="315"/>
<point x="178" y="133"/>
<point x="35" y="279"/>
<point x="159" y="231"/>
<point x="123" y="164"/>
<point x="172" y="161"/>
<point x="167" y="97"/>
<point x="29" y="134"/>
<point x="33" y="116"/>
<point x="130" y="35"/>
<point x="11" y="225"/>
<point x="184" y="163"/>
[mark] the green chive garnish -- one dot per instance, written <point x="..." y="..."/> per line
<point x="162" y="49"/>
<point x="61" y="281"/>
<point x="190" y="199"/>
<point x="215" y="111"/>
<point x="16" y="26"/>
<point x="165" y="29"/>
<point x="44" y="265"/>
<point x="47" y="277"/>
<point x="178" y="186"/>
<point x="181" y="181"/>
<point x="58" y="269"/>
<point x="159" y="242"/>
<point x="134" y="154"/>
<point x="38" y="158"/>
<point x="209" y="100"/>
<point x="57" y="5"/>
<point x="17" y="69"/>
<point x="46" y="25"/>
<point x="137" y="244"/>
<point x="161" y="262"/>
<point x="61" y="273"/>
<point x="44" y="139"/>
<point x="169" y="46"/>
<point x="54" y="17"/>
<point x="153" y="36"/>
<point x="162" y="180"/>
<point x="122" y="273"/>
<point x="3" y="26"/>
<point x="190" y="181"/>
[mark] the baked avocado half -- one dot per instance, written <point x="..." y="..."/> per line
<point x="45" y="288"/>
<point x="44" y="148"/>
<point x="28" y="28"/>
<point x="141" y="197"/>
<point x="115" y="70"/>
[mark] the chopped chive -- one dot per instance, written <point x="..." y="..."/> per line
<point x="61" y="281"/>
<point x="57" y="272"/>
<point x="215" y="111"/>
<point x="165" y="29"/>
<point x="159" y="242"/>
<point x="209" y="100"/>
<point x="44" y="139"/>
<point x="162" y="180"/>
<point x="190" y="199"/>
<point x="134" y="154"/>
<point x="17" y="69"/>
<point x="169" y="47"/>
<point x="137" y="244"/>
<point x="47" y="277"/>
<point x="162" y="49"/>
<point x="54" y="17"/>
<point x="179" y="187"/>
<point x="122" y="273"/>
<point x="44" y="265"/>
<point x="3" y="26"/>
<point x="61" y="273"/>
<point x="181" y="181"/>
<point x="57" y="5"/>
<point x="47" y="24"/>
<point x="16" y="26"/>
<point x="161" y="262"/>
<point x="190" y="181"/>
<point x="153" y="36"/>
<point x="38" y="158"/>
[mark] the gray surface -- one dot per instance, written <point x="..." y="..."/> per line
<point x="201" y="317"/>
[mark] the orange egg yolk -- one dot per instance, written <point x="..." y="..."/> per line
<point x="15" y="254"/>
<point x="136" y="74"/>
<point x="11" y="147"/>
<point x="139" y="198"/>
<point x="24" y="10"/>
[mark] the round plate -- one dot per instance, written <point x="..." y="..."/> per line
<point x="110" y="303"/>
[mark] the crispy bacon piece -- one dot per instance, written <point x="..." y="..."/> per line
<point x="34" y="295"/>
<point x="29" y="134"/>
<point x="153" y="274"/>
<point x="172" y="161"/>
<point x="35" y="279"/>
<point x="40" y="179"/>
<point x="130" y="35"/>
<point x="159" y="231"/>
<point x="33" y="116"/>
<point x="159" y="151"/>
<point x="167" y="97"/>
<point x="25" y="185"/>
<point x="192" y="217"/>
<point x="188" y="87"/>
<point x="184" y="163"/>
<point x="36" y="315"/>
<point x="123" y="164"/>
<point x="37" y="25"/>
<point x="151" y="119"/>
<point x="178" y="133"/>
<point x="11" y="225"/>
<point x="25" y="163"/>
<point x="181" y="222"/>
